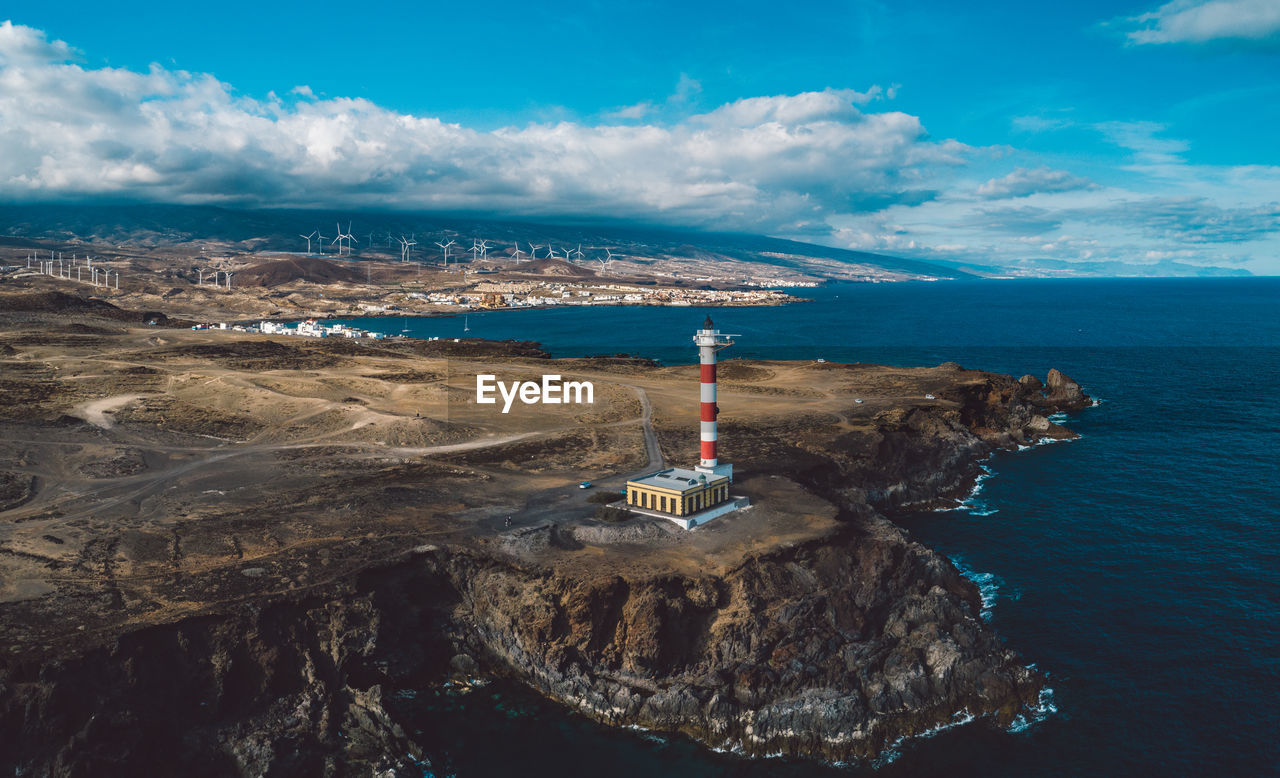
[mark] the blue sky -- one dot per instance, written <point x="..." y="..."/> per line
<point x="1133" y="132"/>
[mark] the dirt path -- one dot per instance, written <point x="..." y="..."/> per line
<point x="95" y="411"/>
<point x="651" y="448"/>
<point x="467" y="446"/>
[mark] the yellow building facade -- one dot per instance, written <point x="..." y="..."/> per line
<point x="677" y="491"/>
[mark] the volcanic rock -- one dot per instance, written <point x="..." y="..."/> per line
<point x="1063" y="392"/>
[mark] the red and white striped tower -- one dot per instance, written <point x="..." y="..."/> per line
<point x="709" y="341"/>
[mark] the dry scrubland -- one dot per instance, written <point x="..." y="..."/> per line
<point x="166" y="471"/>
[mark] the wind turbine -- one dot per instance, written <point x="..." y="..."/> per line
<point x="533" y="250"/>
<point x="577" y="251"/>
<point x="551" y="251"/>
<point x="344" y="236"/>
<point x="484" y="249"/>
<point x="516" y="252"/>
<point x="308" y="238"/>
<point x="318" y="235"/>
<point x="404" y="247"/>
<point x="409" y="246"/>
<point x="445" y="247"/>
<point x="607" y="261"/>
<point x="475" y="249"/>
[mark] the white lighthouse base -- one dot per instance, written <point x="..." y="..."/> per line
<point x="693" y="520"/>
<point x="724" y="468"/>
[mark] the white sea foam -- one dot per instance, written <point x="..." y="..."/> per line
<point x="1043" y="709"/>
<point x="979" y="508"/>
<point x="971" y="504"/>
<point x="894" y="749"/>
<point x="988" y="586"/>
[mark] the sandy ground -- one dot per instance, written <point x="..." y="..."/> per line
<point x="95" y="411"/>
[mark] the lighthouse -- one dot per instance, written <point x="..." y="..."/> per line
<point x="691" y="498"/>
<point x="710" y="341"/>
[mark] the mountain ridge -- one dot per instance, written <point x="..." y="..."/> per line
<point x="271" y="230"/>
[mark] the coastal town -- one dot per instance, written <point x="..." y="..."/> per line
<point x="295" y="288"/>
<point x="534" y="294"/>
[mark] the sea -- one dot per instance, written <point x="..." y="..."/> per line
<point x="1138" y="566"/>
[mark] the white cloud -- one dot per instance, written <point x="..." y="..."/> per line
<point x="637" y="111"/>
<point x="816" y="165"/>
<point x="21" y="46"/>
<point x="764" y="164"/>
<point x="1039" y="123"/>
<point x="829" y="104"/>
<point x="687" y="88"/>
<point x="1023" y="182"/>
<point x="1201" y="21"/>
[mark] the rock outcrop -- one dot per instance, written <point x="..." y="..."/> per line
<point x="1063" y="393"/>
<point x="832" y="651"/>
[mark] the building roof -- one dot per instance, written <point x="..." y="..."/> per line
<point x="677" y="478"/>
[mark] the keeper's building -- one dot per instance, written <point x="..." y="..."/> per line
<point x="678" y="491"/>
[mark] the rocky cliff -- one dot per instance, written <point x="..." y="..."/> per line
<point x="831" y="649"/>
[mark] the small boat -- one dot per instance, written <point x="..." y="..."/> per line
<point x="466" y="324"/>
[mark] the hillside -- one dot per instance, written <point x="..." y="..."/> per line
<point x="277" y="272"/>
<point x="639" y="251"/>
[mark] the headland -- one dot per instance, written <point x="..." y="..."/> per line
<point x="247" y="543"/>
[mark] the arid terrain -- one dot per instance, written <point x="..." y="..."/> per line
<point x="246" y="287"/>
<point x="199" y="503"/>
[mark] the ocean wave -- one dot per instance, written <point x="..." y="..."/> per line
<point x="971" y="504"/>
<point x="894" y="749"/>
<point x="1048" y="441"/>
<point x="1043" y="709"/>
<point x="988" y="586"/>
